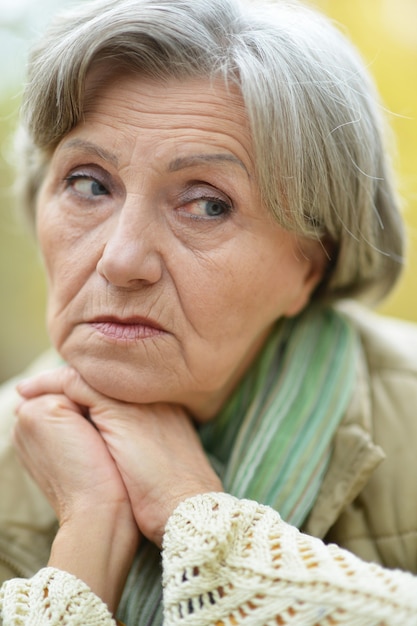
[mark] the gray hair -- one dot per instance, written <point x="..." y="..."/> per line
<point x="316" y="124"/>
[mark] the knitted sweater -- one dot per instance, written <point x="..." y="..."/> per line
<point x="230" y="562"/>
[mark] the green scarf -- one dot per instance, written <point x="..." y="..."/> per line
<point x="272" y="442"/>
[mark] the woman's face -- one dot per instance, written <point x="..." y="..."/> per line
<point x="165" y="271"/>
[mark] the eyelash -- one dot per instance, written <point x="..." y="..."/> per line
<point x="73" y="178"/>
<point x="226" y="205"/>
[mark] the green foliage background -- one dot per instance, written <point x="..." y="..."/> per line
<point x="386" y="33"/>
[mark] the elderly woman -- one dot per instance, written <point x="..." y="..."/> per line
<point x="209" y="187"/>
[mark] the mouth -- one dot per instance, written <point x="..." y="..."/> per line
<point x="126" y="329"/>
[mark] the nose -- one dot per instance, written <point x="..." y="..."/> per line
<point x="131" y="254"/>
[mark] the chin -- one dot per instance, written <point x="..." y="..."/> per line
<point x="109" y="384"/>
<point x="106" y="377"/>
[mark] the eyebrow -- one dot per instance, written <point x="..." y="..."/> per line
<point x="174" y="166"/>
<point x="91" y="148"/>
<point x="196" y="159"/>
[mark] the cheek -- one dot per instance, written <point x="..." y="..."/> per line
<point x="62" y="241"/>
<point x="243" y="292"/>
<point x="68" y="259"/>
<point x="52" y="238"/>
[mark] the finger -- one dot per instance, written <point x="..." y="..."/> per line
<point x="49" y="381"/>
<point x="65" y="455"/>
<point x="32" y="426"/>
<point x="63" y="380"/>
<point x="50" y="404"/>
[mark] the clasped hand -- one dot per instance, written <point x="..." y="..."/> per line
<point x="96" y="458"/>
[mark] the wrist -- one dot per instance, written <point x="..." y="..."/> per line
<point x="155" y="526"/>
<point x="97" y="546"/>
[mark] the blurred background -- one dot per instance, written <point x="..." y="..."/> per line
<point x="384" y="30"/>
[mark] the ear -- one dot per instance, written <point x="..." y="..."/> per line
<point x="314" y="260"/>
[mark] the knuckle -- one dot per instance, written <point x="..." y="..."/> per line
<point x="32" y="412"/>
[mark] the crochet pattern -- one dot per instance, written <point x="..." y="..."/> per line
<point x="230" y="562"/>
<point x="51" y="598"/>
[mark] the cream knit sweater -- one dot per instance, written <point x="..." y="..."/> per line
<point x="230" y="562"/>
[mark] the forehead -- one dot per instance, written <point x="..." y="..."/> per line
<point x="191" y="92"/>
<point x="186" y="110"/>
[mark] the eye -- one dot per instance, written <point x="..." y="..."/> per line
<point x="86" y="186"/>
<point x="207" y="208"/>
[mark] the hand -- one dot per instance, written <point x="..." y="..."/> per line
<point x="66" y="455"/>
<point x="155" y="448"/>
<point x="160" y="457"/>
<point x="69" y="460"/>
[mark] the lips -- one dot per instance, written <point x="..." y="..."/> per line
<point x="127" y="329"/>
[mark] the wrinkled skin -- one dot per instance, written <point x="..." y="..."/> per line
<point x="165" y="275"/>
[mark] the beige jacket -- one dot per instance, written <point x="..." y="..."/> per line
<point x="368" y="500"/>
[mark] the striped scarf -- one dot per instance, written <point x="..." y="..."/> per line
<point x="272" y="442"/>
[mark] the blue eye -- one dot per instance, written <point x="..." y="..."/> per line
<point x="214" y="208"/>
<point x="86" y="185"/>
<point x="208" y="208"/>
